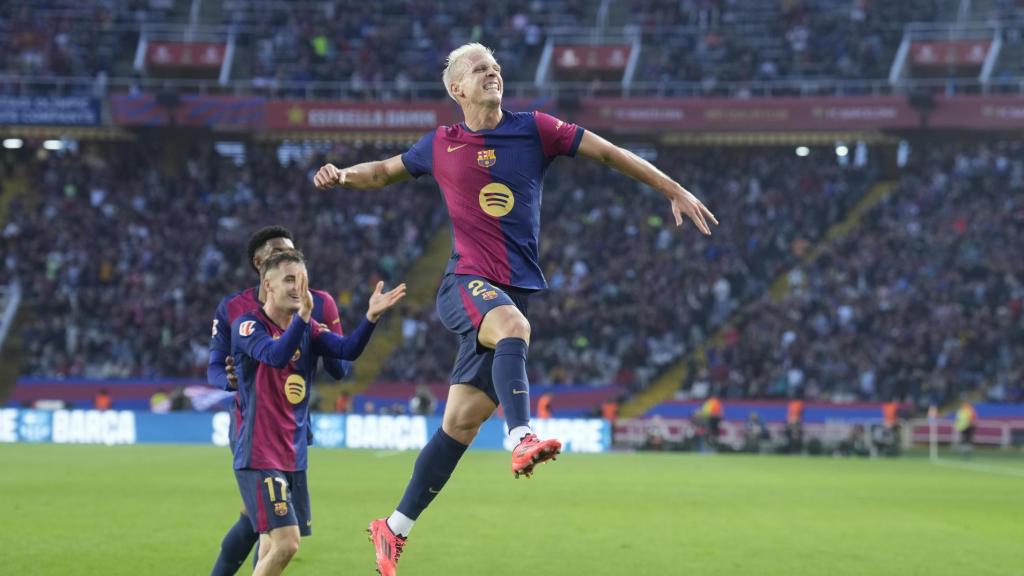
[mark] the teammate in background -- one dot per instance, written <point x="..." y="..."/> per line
<point x="276" y="348"/>
<point x="265" y="242"/>
<point x="965" y="421"/>
<point x="490" y="170"/>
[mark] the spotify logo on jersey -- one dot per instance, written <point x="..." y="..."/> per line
<point x="496" y="199"/>
<point x="295" y="388"/>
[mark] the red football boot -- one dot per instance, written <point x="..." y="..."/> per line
<point x="388" y="546"/>
<point x="532" y="451"/>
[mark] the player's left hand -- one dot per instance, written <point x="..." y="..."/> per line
<point x="381" y="301"/>
<point x="684" y="202"/>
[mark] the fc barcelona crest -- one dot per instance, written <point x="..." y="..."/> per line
<point x="486" y="158"/>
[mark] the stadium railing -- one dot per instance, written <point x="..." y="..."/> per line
<point x="64" y="85"/>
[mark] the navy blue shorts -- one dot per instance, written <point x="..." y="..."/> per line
<point x="275" y="499"/>
<point x="462" y="302"/>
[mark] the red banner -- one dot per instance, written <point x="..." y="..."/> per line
<point x="748" y="114"/>
<point x="299" y="115"/>
<point x="958" y="53"/>
<point x="201" y="55"/>
<point x="648" y="115"/>
<point x="611" y="57"/>
<point x="978" y="112"/>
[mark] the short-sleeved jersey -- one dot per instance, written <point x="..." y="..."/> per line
<point x="325" y="311"/>
<point x="492" y="183"/>
<point x="275" y="367"/>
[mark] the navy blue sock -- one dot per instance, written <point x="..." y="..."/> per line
<point x="235" y="547"/>
<point x="509" y="375"/>
<point x="433" y="468"/>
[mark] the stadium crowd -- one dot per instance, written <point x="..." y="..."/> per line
<point x="712" y="41"/>
<point x="379" y="50"/>
<point x="920" y="303"/>
<point x="124" y="255"/>
<point x="397" y="42"/>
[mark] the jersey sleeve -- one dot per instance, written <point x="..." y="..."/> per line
<point x="335" y="367"/>
<point x="220" y="347"/>
<point x="254" y="341"/>
<point x="419" y="159"/>
<point x="557" y="137"/>
<point x="329" y="344"/>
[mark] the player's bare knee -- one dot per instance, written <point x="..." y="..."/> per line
<point x="287" y="549"/>
<point x="462" y="429"/>
<point x="517" y="326"/>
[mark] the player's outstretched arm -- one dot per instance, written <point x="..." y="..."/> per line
<point x="365" y="176"/>
<point x="350" y="347"/>
<point x="683" y="202"/>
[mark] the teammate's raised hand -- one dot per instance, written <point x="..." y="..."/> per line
<point x="683" y="202"/>
<point x="306" y="308"/>
<point x="381" y="301"/>
<point x="329" y="176"/>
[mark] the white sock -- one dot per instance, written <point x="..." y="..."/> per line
<point x="518" y="432"/>
<point x="400" y="524"/>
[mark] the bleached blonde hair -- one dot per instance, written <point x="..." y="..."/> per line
<point x="455" y="66"/>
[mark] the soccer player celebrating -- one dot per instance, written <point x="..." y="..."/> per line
<point x="240" y="538"/>
<point x="276" y="348"/>
<point x="489" y="168"/>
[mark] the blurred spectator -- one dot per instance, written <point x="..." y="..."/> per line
<point x="160" y="402"/>
<point x="343" y="403"/>
<point x="965" y="422"/>
<point x="102" y="400"/>
<point x="544" y="405"/>
<point x="423" y="401"/>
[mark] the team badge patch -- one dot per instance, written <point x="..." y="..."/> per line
<point x="486" y="158"/>
<point x="489" y="295"/>
<point x="247" y="328"/>
<point x="281" y="508"/>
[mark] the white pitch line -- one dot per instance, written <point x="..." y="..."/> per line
<point x="979" y="467"/>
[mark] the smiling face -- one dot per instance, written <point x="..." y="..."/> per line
<point x="282" y="286"/>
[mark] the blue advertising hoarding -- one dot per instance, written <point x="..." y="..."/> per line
<point x="111" y="427"/>
<point x="50" y="110"/>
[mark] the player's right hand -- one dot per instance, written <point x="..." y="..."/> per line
<point x="229" y="368"/>
<point x="328" y="176"/>
<point x="306" y="308"/>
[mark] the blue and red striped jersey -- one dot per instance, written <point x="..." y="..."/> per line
<point x="275" y="367"/>
<point x="492" y="183"/>
<point x="325" y="311"/>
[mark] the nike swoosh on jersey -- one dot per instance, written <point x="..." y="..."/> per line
<point x="454" y="148"/>
<point x="517" y="391"/>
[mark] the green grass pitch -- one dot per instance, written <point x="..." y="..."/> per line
<point x="156" y="510"/>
